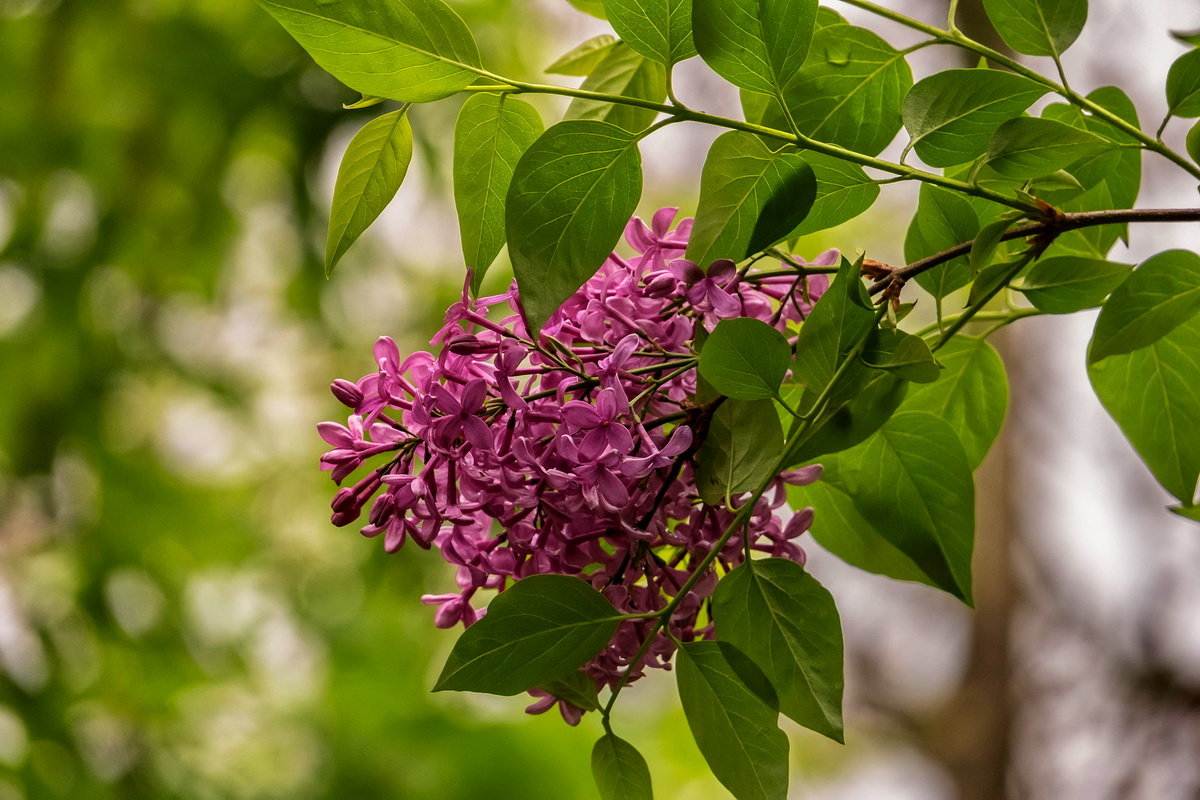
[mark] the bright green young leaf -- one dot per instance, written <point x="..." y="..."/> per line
<point x="843" y="192"/>
<point x="986" y="242"/>
<point x="992" y="278"/>
<point x="850" y="90"/>
<point x="1066" y="284"/>
<point x="1037" y="27"/>
<point x="1152" y="394"/>
<point x="492" y="132"/>
<point x="571" y="195"/>
<point x="871" y="404"/>
<point x="755" y="44"/>
<point x="408" y="50"/>
<point x="585" y="57"/>
<point x="742" y="448"/>
<point x="838" y="320"/>
<point x="620" y="771"/>
<point x="750" y="198"/>
<point x="1183" y="85"/>
<point x="370" y="173"/>
<point x="912" y="482"/>
<point x="593" y="7"/>
<point x="1030" y="147"/>
<point x="1190" y="38"/>
<point x="901" y="354"/>
<point x="943" y="219"/>
<point x="971" y="395"/>
<point x="660" y="30"/>
<point x="577" y="689"/>
<point x="622" y="72"/>
<point x="1161" y="294"/>
<point x="951" y="114"/>
<point x="737" y="732"/>
<point x="539" y="630"/>
<point x="1187" y="512"/>
<point x="840" y="529"/>
<point x="745" y="359"/>
<point x="787" y="623"/>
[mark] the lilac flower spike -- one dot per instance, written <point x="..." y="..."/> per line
<point x="572" y="454"/>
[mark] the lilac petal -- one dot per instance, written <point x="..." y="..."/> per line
<point x="336" y="435"/>
<point x="829" y="258"/>
<point x="680" y="441"/>
<point x="724" y="304"/>
<point x="661" y="223"/>
<point x="579" y="414"/>
<point x="593" y="445"/>
<point x="473" y="396"/>
<point x="387" y="354"/>
<point x="803" y="476"/>
<point x="478" y="433"/>
<point x="619" y="438"/>
<point x="638" y="235"/>
<point x="685" y="270"/>
<point x="612" y="489"/>
<point x="722" y="271"/>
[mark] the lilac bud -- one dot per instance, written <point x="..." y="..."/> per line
<point x="347" y="393"/>
<point x="661" y="284"/>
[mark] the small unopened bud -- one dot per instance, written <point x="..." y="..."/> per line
<point x="468" y="346"/>
<point x="344" y="500"/>
<point x="660" y="283"/>
<point x="344" y="518"/>
<point x="346" y="393"/>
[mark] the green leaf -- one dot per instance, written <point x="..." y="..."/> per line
<point x="741" y="449"/>
<point x="911" y="481"/>
<point x="1161" y="294"/>
<point x="571" y="196"/>
<point x="838" y="320"/>
<point x="755" y="44"/>
<point x="840" y="529"/>
<point x="592" y="7"/>
<point x="408" y="50"/>
<point x="745" y="359"/>
<point x="1037" y="27"/>
<point x="971" y="395"/>
<point x="585" y="57"/>
<point x="370" y="173"/>
<point x="787" y="623"/>
<point x="660" y="30"/>
<point x="620" y="771"/>
<point x="1066" y="284"/>
<point x="843" y="192"/>
<point x="750" y="198"/>
<point x="985" y="243"/>
<point x="992" y="278"/>
<point x="736" y="731"/>
<point x="870" y="405"/>
<point x="492" y="132"/>
<point x="943" y="219"/>
<point x="1151" y="393"/>
<point x="577" y="689"/>
<point x="951" y="114"/>
<point x="1193" y="143"/>
<point x="1187" y="512"/>
<point x="850" y="90"/>
<point x="1030" y="147"/>
<point x="622" y="72"/>
<point x="901" y="354"/>
<point x="1183" y="85"/>
<point x="539" y="630"/>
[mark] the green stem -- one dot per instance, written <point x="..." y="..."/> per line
<point x="958" y="39"/>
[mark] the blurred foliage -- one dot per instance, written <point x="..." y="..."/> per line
<point x="177" y="619"/>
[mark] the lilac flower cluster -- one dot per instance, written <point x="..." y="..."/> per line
<point x="571" y="454"/>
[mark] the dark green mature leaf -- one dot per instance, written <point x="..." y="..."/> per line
<point x="787" y="623"/>
<point x="755" y="44"/>
<point x="492" y="132"/>
<point x="370" y="173"/>
<point x="409" y="50"/>
<point x="850" y="90"/>
<point x="838" y="320"/>
<point x="871" y="404"/>
<point x="1066" y="284"/>
<point x="911" y="481"/>
<point x="989" y="239"/>
<point x="902" y="354"/>
<point x="622" y="72"/>
<point x="843" y="192"/>
<point x="994" y="277"/>
<point x="742" y="449"/>
<point x="571" y="195"/>
<point x="750" y="198"/>
<point x="1183" y="85"/>
<point x="971" y="394"/>
<point x="585" y="57"/>
<point x="745" y="359"/>
<point x="1187" y="512"/>
<point x="840" y="529"/>
<point x="943" y="219"/>
<point x="736" y="731"/>
<point x="620" y="771"/>
<point x="658" y="29"/>
<point x="1030" y="147"/>
<point x="1191" y="38"/>
<point x="538" y="630"/>
<point x="575" y="688"/>
<point x="1037" y="27"/>
<point x="1193" y="143"/>
<point x="951" y="114"/>
<point x="1152" y="394"/>
<point x="1161" y="294"/>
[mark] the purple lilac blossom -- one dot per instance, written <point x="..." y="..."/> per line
<point x="573" y="455"/>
